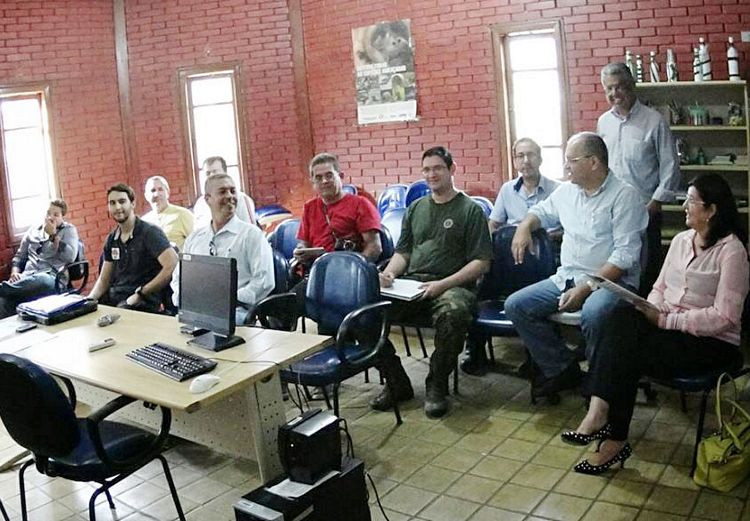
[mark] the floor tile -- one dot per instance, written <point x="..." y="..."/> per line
<point x="432" y="478"/>
<point x="407" y="499"/>
<point x="446" y="508"/>
<point x="496" y="514"/>
<point x="626" y="492"/>
<point x="517" y="498"/>
<point x="581" y="485"/>
<point x="537" y="476"/>
<point x="672" y="500"/>
<point x="611" y="512"/>
<point x="562" y="508"/>
<point x="474" y="488"/>
<point x="717" y="506"/>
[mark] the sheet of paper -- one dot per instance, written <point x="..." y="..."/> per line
<point x="293" y="489"/>
<point x="8" y="328"/>
<point x="21" y="341"/>
<point x="624" y="294"/>
<point x="403" y="289"/>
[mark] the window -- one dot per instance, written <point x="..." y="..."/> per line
<point x="27" y="165"/>
<point x="210" y="100"/>
<point x="531" y="79"/>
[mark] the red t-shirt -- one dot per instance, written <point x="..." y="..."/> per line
<point x="350" y="217"/>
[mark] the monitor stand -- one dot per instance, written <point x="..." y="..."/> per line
<point x="215" y="342"/>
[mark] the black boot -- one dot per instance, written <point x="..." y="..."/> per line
<point x="475" y="360"/>
<point x="568" y="379"/>
<point x="398" y="380"/>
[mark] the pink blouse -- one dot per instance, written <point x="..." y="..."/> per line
<point x="703" y="293"/>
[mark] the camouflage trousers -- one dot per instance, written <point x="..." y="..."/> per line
<point x="450" y="315"/>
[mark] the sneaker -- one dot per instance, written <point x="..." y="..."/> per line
<point x="435" y="403"/>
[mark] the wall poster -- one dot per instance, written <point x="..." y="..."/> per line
<point x="384" y="70"/>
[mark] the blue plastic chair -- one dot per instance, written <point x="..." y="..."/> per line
<point x="284" y="237"/>
<point x="393" y="196"/>
<point x="40" y="418"/>
<point x="416" y="190"/>
<point x="484" y="203"/>
<point x="387" y="246"/>
<point x="269" y="210"/>
<point x="343" y="297"/>
<point x="392" y="220"/>
<point x="349" y="189"/>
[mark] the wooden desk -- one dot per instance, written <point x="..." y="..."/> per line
<point x="240" y="415"/>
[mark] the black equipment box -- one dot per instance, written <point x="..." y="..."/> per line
<point x="310" y="446"/>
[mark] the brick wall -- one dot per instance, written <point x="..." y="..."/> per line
<point x="69" y="44"/>
<point x="457" y="105"/>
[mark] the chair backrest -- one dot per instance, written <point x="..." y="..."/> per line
<point x="393" y="196"/>
<point x="34" y="410"/>
<point x="77" y="272"/>
<point x="349" y="189"/>
<point x="284" y="238"/>
<point x="484" y="203"/>
<point x="280" y="273"/>
<point x="505" y="276"/>
<point x="339" y="283"/>
<point x="392" y="220"/>
<point x="270" y="209"/>
<point x="416" y="190"/>
<point x="386" y="244"/>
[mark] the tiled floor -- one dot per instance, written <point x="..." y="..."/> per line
<point x="494" y="457"/>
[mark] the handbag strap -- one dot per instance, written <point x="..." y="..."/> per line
<point x="718" y="396"/>
<point x="736" y="407"/>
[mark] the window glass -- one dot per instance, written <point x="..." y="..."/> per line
<point x="533" y="52"/>
<point x="210" y="90"/>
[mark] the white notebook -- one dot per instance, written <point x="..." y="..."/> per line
<point x="403" y="289"/>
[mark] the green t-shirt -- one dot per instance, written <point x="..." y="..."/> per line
<point x="440" y="239"/>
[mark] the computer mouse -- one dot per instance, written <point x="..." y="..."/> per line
<point x="203" y="383"/>
<point x="106" y="320"/>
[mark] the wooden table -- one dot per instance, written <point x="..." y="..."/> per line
<point x="239" y="416"/>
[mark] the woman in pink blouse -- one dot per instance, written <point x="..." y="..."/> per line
<point x="691" y="326"/>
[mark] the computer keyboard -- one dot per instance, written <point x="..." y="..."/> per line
<point x="172" y="362"/>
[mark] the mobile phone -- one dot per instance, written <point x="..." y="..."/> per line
<point x="25" y="327"/>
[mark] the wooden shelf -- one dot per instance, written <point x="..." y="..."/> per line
<point x="714" y="168"/>
<point x="706" y="128"/>
<point x="697" y="84"/>
<point x="679" y="208"/>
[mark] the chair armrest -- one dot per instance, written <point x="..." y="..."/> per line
<point x="66" y="269"/>
<point x="349" y="325"/>
<point x="268" y="308"/>
<point x="95" y="418"/>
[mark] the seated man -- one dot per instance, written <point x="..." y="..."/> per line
<point x="513" y="201"/>
<point x="245" y="205"/>
<point x="603" y="219"/>
<point x="445" y="244"/>
<point x="228" y="236"/>
<point x="44" y="249"/>
<point x="138" y="259"/>
<point x="334" y="219"/>
<point x="175" y="221"/>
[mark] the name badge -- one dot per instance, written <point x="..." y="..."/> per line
<point x="115" y="253"/>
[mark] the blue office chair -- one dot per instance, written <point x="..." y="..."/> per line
<point x="484" y="203"/>
<point x="387" y="246"/>
<point x="416" y="190"/>
<point x="504" y="278"/>
<point x="277" y="310"/>
<point x="393" y="196"/>
<point x="349" y="189"/>
<point x="40" y="418"/>
<point x="392" y="220"/>
<point x="267" y="215"/>
<point x="75" y="272"/>
<point x="343" y="297"/>
<point x="284" y="238"/>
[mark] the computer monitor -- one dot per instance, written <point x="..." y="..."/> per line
<point x="208" y="298"/>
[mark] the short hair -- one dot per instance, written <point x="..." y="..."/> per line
<point x="159" y="178"/>
<point x="593" y="145"/>
<point x="441" y="152"/>
<point x="213" y="159"/>
<point x="122" y="187"/>
<point x="213" y="178"/>
<point x="62" y="205"/>
<point x="325" y="157"/>
<point x="715" y="190"/>
<point x="530" y="142"/>
<point x="620" y="70"/>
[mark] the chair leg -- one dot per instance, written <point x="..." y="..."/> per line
<point x="455" y="378"/>
<point x="5" y="514"/>
<point x="22" y="489"/>
<point x="325" y="395"/>
<point x="109" y="499"/>
<point x="699" y="430"/>
<point x="392" y="390"/>
<point x="367" y="376"/>
<point x="406" y="341"/>
<point x="336" y="398"/>
<point x="683" y="401"/>
<point x="172" y="489"/>
<point x="491" y="350"/>
<point x="421" y="342"/>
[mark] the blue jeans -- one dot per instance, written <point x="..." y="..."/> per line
<point x="529" y="308"/>
<point x="27" y="288"/>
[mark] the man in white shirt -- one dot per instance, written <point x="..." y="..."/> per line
<point x="228" y="236"/>
<point x="245" y="207"/>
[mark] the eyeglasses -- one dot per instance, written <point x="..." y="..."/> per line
<point x="571" y="160"/>
<point x="521" y="155"/>
<point x="692" y="201"/>
<point x="212" y="248"/>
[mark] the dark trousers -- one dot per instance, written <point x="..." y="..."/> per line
<point x="634" y="347"/>
<point x="653" y="254"/>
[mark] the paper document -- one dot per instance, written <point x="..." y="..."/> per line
<point x="403" y="289"/>
<point x="624" y="294"/>
<point x="293" y="489"/>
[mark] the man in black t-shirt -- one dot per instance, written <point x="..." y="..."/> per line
<point x="138" y="259"/>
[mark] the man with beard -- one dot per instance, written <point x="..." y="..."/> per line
<point x="175" y="221"/>
<point x="138" y="259"/>
<point x="229" y="236"/>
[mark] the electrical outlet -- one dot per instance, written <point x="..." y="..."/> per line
<point x="745" y="36"/>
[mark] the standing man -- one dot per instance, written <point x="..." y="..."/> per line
<point x="446" y="245"/>
<point x="228" y="236"/>
<point x="334" y="220"/>
<point x="603" y="221"/>
<point x="518" y="195"/>
<point x="175" y="221"/>
<point x="642" y="153"/>
<point x="138" y="260"/>
<point x="245" y="206"/>
<point x="44" y="250"/>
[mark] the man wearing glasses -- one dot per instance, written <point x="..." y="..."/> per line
<point x="445" y="245"/>
<point x="642" y="153"/>
<point x="603" y="221"/>
<point x="229" y="236"/>
<point x="44" y="250"/>
<point x="138" y="259"/>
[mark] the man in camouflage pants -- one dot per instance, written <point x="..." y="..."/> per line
<point x="446" y="245"/>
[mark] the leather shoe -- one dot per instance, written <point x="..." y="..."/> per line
<point x="435" y="403"/>
<point x="570" y="378"/>
<point x="384" y="401"/>
<point x="474" y="367"/>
